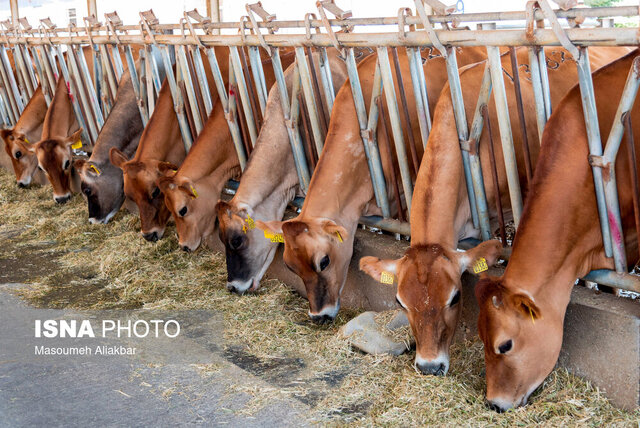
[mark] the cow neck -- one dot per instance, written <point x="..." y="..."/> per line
<point x="32" y="118"/>
<point x="161" y="138"/>
<point x="60" y="118"/>
<point x="212" y="150"/>
<point x="123" y="126"/>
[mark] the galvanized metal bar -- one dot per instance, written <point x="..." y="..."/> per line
<point x="368" y="138"/>
<point x="227" y="106"/>
<point x="93" y="98"/>
<point x="8" y="76"/>
<point x="151" y="65"/>
<point x="502" y="110"/>
<point x="633" y="175"/>
<point x="538" y="92"/>
<point x="396" y="123"/>
<point x="144" y="99"/>
<point x="258" y="77"/>
<point x="494" y="176"/>
<point x="462" y="127"/>
<point x="405" y="111"/>
<point x="42" y="78"/>
<point x="23" y="75"/>
<point x="326" y="79"/>
<point x="521" y="118"/>
<point x="251" y="89"/>
<point x="387" y="145"/>
<point x="420" y="93"/>
<point x="80" y="86"/>
<point x="623" y="281"/>
<point x="595" y="144"/>
<point x="544" y="78"/>
<point x="7" y="112"/>
<point x="114" y="52"/>
<point x="202" y="80"/>
<point x="244" y="93"/>
<point x="178" y="101"/>
<point x="26" y="57"/>
<point x="131" y="65"/>
<point x="310" y="99"/>
<point x="304" y="118"/>
<point x="316" y="91"/>
<point x="108" y="72"/>
<point x="474" y="157"/>
<point x="74" y="99"/>
<point x="47" y="62"/>
<point x="181" y="59"/>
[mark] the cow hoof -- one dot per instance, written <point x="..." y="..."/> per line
<point x="151" y="237"/>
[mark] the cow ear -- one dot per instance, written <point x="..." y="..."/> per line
<point x="167" y="168"/>
<point x="274" y="226"/>
<point x="481" y="257"/>
<point x="336" y="231"/>
<point x="79" y="163"/>
<point x="75" y="137"/>
<point x="383" y="271"/>
<point x="4" y="133"/>
<point x="117" y="158"/>
<point x="223" y="208"/>
<point x="525" y="306"/>
<point x="165" y="183"/>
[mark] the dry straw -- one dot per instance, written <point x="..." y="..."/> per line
<point x="112" y="267"/>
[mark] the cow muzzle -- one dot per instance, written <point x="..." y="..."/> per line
<point x="326" y="315"/>
<point x="241" y="287"/>
<point x="62" y="199"/>
<point x="436" y="367"/>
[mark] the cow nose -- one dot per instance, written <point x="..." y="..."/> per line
<point x="21" y="185"/>
<point x="62" y="199"/>
<point x="496" y="407"/>
<point x="436" y="369"/>
<point x="321" y="319"/>
<point x="151" y="237"/>
<point x="186" y="249"/>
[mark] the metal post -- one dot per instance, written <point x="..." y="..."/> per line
<point x="327" y="79"/>
<point x="202" y="80"/>
<point x="41" y="76"/>
<point x="244" y="94"/>
<point x="93" y="98"/>
<point x="9" y="83"/>
<point x="181" y="60"/>
<point x="258" y="77"/>
<point x="178" y="101"/>
<point x="502" y="110"/>
<point x="538" y="92"/>
<point x="310" y="99"/>
<point x="368" y="139"/>
<point x="420" y="93"/>
<point x="74" y="100"/>
<point x="78" y="90"/>
<point x="131" y="65"/>
<point x="462" y="127"/>
<point x="544" y="78"/>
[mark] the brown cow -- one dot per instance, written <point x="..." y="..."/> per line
<point x="101" y="181"/>
<point x="264" y="191"/>
<point x="191" y="194"/>
<point x="559" y="240"/>
<point x="27" y="130"/>
<point x="319" y="242"/>
<point x="429" y="286"/>
<point x="54" y="148"/>
<point x="160" y="149"/>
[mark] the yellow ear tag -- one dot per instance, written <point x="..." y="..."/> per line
<point x="386" y="278"/>
<point x="96" y="170"/>
<point x="77" y="145"/>
<point x="274" y="237"/>
<point x="531" y="313"/>
<point x="250" y="224"/>
<point x="339" y="236"/>
<point x="193" y="192"/>
<point x="480" y="265"/>
<point x="25" y="140"/>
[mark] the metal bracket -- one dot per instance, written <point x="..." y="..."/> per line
<point x="339" y="13"/>
<point x="548" y="13"/>
<point x="331" y="6"/>
<point x="192" y="30"/>
<point x="148" y="21"/>
<point x="113" y="23"/>
<point x="440" y="8"/>
<point x="469" y="146"/>
<point x="266" y="17"/>
<point x="25" y="24"/>
<point x="600" y="162"/>
<point x="403" y="13"/>
<point x="429" y="28"/>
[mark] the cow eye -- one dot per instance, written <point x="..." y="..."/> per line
<point x="40" y="168"/>
<point x="505" y="347"/>
<point x="155" y="193"/>
<point x="18" y="154"/>
<point x="455" y="299"/>
<point x="87" y="191"/>
<point x="183" y="211"/>
<point x="66" y="164"/>
<point x="400" y="303"/>
<point x="324" y="263"/>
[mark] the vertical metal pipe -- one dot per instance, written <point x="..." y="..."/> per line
<point x="150" y="65"/>
<point x="304" y="116"/>
<point x="23" y="74"/>
<point x="8" y="112"/>
<point x="10" y="78"/>
<point x="326" y="79"/>
<point x="595" y="144"/>
<point x="190" y="90"/>
<point x="502" y="110"/>
<point x="420" y="94"/>
<point x="51" y="77"/>
<point x="405" y="110"/>
<point x="74" y="99"/>
<point x="108" y="72"/>
<point x="131" y="65"/>
<point x="494" y="176"/>
<point x="521" y="118"/>
<point x="244" y="93"/>
<point x="80" y="94"/>
<point x="93" y="98"/>
<point x="538" y="93"/>
<point x="202" y="80"/>
<point x="8" y="95"/>
<point x="178" y="101"/>
<point x="258" y="77"/>
<point x="309" y="97"/>
<point x="462" y="127"/>
<point x="368" y="138"/>
<point x="544" y="78"/>
<point x="396" y="123"/>
<point x="251" y="88"/>
<point x="31" y="78"/>
<point x="387" y="146"/>
<point x="117" y="60"/>
<point x="316" y="90"/>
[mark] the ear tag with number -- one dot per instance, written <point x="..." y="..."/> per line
<point x="77" y="145"/>
<point x="274" y="237"/>
<point x="480" y="265"/>
<point x="193" y="192"/>
<point x="250" y="224"/>
<point x="386" y="277"/>
<point x="339" y="236"/>
<point x="531" y="313"/>
<point x="95" y="169"/>
<point x="25" y="140"/>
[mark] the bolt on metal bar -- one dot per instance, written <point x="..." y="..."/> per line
<point x="367" y="130"/>
<point x="595" y="145"/>
<point x="236" y="65"/>
<point x="396" y="123"/>
<point x="462" y="127"/>
<point x="474" y="158"/>
<point x="310" y="99"/>
<point x="502" y="109"/>
<point x="420" y="93"/>
<point x="181" y="60"/>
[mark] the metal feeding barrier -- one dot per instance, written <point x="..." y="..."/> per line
<point x="174" y="53"/>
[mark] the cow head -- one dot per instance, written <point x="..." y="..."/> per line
<point x="55" y="159"/>
<point x="23" y="160"/>
<point x="192" y="209"/>
<point x="430" y="291"/>
<point x="141" y="186"/>
<point x="318" y="251"/>
<point x="248" y="252"/>
<point x="102" y="186"/>
<point x="521" y="344"/>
